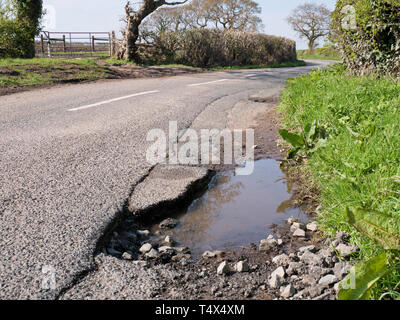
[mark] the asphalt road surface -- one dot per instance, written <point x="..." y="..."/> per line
<point x="70" y="156"/>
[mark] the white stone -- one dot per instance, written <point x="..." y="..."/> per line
<point x="275" y="281"/>
<point x="165" y="249"/>
<point x="267" y="244"/>
<point x="126" y="256"/>
<point x="328" y="279"/>
<point x="281" y="260"/>
<point x="311" y="259"/>
<point x="280" y="272"/>
<point x="310" y="248"/>
<point x="312" y="226"/>
<point x="297" y="225"/>
<point x="145" y="248"/>
<point x="223" y="268"/>
<point x="277" y="277"/>
<point x="299" y="233"/>
<point x="152" y="254"/>
<point x="242" y="266"/>
<point x="169" y="241"/>
<point x="212" y="254"/>
<point x="345" y="250"/>
<point x="287" y="292"/>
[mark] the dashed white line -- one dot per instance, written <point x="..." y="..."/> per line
<point x="252" y="75"/>
<point x="203" y="83"/>
<point x="113" y="100"/>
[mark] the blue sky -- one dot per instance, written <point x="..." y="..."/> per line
<point x="105" y="15"/>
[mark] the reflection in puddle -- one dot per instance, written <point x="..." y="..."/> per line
<point x="236" y="210"/>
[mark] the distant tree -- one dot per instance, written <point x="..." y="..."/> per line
<point x="239" y="15"/>
<point x="311" y="21"/>
<point x="163" y="20"/>
<point x="134" y="18"/>
<point x="173" y="19"/>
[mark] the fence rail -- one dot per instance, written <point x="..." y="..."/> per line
<point x="73" y="44"/>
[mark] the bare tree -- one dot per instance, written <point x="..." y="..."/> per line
<point x="311" y="21"/>
<point x="134" y="18"/>
<point x="239" y="15"/>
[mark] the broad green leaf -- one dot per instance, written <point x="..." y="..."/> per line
<point x="361" y="278"/>
<point x="310" y="131"/>
<point x="295" y="140"/>
<point x="379" y="226"/>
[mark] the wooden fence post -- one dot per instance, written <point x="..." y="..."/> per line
<point x="42" y="43"/>
<point x="49" y="45"/>
<point x="93" y="43"/>
<point x="64" y="44"/>
<point x="110" y="46"/>
<point x="113" y="41"/>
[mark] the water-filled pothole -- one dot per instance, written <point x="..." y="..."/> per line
<point x="236" y="210"/>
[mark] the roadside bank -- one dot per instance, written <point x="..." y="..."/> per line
<point x="348" y="152"/>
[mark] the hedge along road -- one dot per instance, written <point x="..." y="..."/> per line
<point x="70" y="156"/>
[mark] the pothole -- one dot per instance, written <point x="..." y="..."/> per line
<point x="230" y="211"/>
<point x="236" y="210"/>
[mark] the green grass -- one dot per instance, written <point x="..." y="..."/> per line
<point x="40" y="71"/>
<point x="45" y="62"/>
<point x="360" y="163"/>
<point x="116" y="62"/>
<point x="174" y="65"/>
<point x="320" y="54"/>
<point x="298" y="63"/>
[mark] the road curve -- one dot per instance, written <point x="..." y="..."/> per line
<point x="70" y="155"/>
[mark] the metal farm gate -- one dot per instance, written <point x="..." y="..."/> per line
<point x="73" y="44"/>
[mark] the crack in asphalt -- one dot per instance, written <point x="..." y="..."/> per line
<point x="124" y="212"/>
<point x="120" y="215"/>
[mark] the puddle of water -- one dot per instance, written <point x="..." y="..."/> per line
<point x="236" y="210"/>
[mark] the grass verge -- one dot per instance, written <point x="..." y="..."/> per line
<point x="359" y="165"/>
<point x="320" y="54"/>
<point x="40" y="71"/>
<point x="16" y="73"/>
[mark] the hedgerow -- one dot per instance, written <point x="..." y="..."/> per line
<point x="212" y="48"/>
<point x="367" y="33"/>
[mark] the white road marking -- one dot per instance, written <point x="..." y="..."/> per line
<point x="210" y="82"/>
<point x="252" y="75"/>
<point x="113" y="100"/>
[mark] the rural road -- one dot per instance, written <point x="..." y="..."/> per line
<point x="70" y="156"/>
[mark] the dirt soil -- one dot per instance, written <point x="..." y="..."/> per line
<point x="131" y="72"/>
